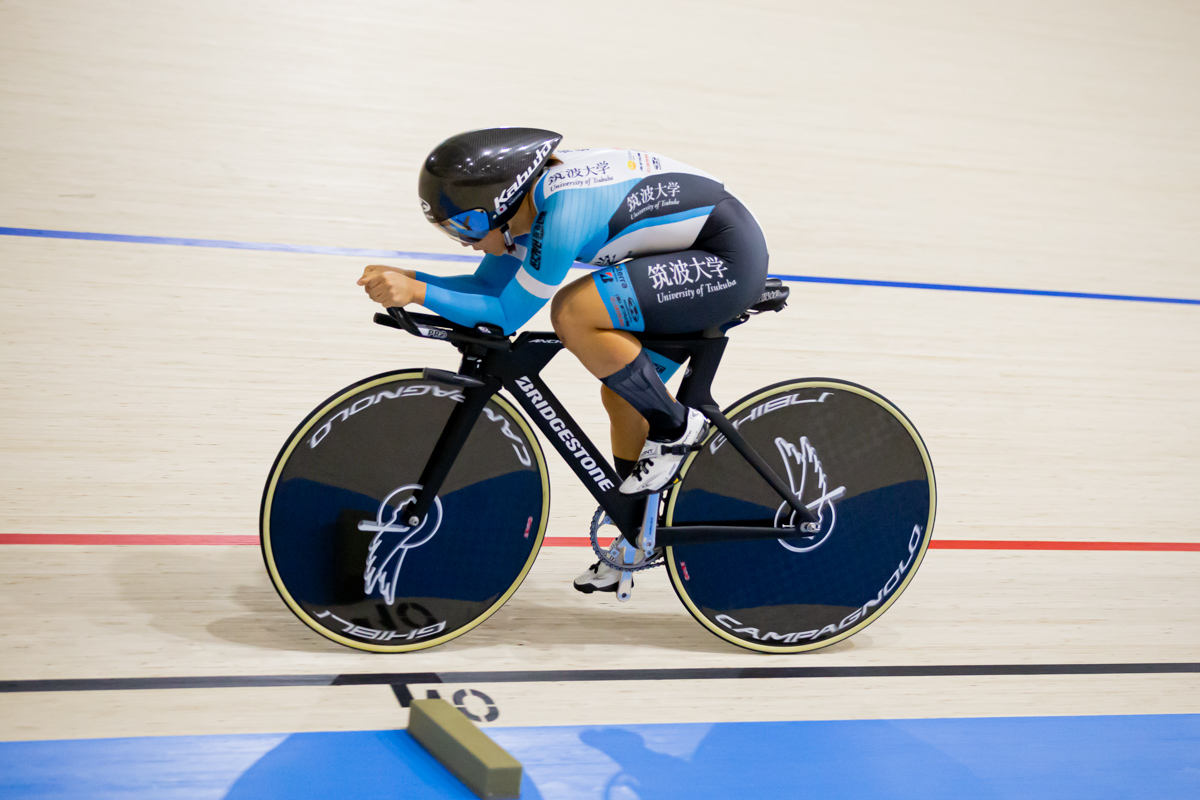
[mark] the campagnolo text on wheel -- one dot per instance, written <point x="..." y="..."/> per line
<point x="408" y="507"/>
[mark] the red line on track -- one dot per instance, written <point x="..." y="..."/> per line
<point x="575" y="541"/>
<point x="982" y="544"/>
<point x="124" y="538"/>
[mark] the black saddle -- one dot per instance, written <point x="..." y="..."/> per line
<point x="774" y="297"/>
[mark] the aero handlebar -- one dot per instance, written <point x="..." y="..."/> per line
<point x="429" y="326"/>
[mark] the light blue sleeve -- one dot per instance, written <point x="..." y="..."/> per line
<point x="490" y="277"/>
<point x="471" y="299"/>
<point x="565" y="221"/>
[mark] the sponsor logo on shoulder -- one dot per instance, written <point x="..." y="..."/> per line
<point x="652" y="198"/>
<point x="575" y="176"/>
<point x="535" y="246"/>
<point x="643" y="162"/>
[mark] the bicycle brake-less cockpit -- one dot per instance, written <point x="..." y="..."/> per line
<point x="407" y="508"/>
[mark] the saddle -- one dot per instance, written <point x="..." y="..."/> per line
<point x="774" y="297"/>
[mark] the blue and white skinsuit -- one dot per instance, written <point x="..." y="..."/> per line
<point x="677" y="252"/>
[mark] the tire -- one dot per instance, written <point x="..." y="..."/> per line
<point x="330" y="539"/>
<point x="805" y="593"/>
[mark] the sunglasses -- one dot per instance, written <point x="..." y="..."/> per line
<point x="467" y="227"/>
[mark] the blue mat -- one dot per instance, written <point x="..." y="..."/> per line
<point x="1089" y="758"/>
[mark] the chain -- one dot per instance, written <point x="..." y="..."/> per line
<point x="656" y="560"/>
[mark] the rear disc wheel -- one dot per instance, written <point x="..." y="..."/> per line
<point x="857" y="462"/>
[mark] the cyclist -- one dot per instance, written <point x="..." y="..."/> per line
<point x="677" y="254"/>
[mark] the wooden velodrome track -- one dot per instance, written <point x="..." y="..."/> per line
<point x="1046" y="146"/>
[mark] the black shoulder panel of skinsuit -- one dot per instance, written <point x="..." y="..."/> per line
<point x="489" y="169"/>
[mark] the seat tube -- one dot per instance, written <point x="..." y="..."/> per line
<point x="696" y="389"/>
<point x="449" y="445"/>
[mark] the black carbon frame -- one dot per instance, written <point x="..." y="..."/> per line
<point x="490" y="362"/>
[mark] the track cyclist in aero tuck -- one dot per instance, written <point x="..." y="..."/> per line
<point x="675" y="251"/>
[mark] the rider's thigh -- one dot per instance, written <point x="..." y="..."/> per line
<point x="577" y="305"/>
<point x="718" y="278"/>
<point x="691" y="290"/>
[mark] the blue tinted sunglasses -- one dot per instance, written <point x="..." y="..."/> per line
<point x="469" y="226"/>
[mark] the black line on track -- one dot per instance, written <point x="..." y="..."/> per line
<point x="580" y="675"/>
<point x="402" y="694"/>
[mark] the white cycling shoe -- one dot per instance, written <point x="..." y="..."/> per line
<point x="600" y="577"/>
<point x="659" y="462"/>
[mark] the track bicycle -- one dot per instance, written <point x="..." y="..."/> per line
<point x="407" y="508"/>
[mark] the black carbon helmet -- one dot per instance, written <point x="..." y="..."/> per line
<point x="474" y="182"/>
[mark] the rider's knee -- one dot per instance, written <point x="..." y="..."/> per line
<point x="560" y="314"/>
<point x="613" y="403"/>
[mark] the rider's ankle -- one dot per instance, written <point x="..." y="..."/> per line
<point x="623" y="466"/>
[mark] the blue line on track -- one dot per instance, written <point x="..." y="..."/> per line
<point x="362" y="252"/>
<point x="950" y="287"/>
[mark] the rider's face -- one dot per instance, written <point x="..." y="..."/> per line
<point x="492" y="244"/>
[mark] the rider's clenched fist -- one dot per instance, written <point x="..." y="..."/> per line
<point x="390" y="287"/>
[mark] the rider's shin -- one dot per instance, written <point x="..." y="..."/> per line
<point x="639" y="384"/>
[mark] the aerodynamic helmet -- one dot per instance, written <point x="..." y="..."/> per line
<point x="474" y="182"/>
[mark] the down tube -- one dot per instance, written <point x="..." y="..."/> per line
<point x="577" y="450"/>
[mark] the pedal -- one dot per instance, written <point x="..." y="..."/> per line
<point x="649" y="526"/>
<point x="625" y="587"/>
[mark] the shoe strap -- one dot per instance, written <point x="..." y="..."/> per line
<point x="680" y="449"/>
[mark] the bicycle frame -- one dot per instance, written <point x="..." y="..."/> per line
<point x="492" y="361"/>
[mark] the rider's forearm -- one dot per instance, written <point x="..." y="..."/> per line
<point x="470" y="284"/>
<point x="466" y="308"/>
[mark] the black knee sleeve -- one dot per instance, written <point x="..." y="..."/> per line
<point x="639" y="384"/>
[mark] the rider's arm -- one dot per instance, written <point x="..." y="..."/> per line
<point x="470" y="299"/>
<point x="493" y="272"/>
<point x="550" y="249"/>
